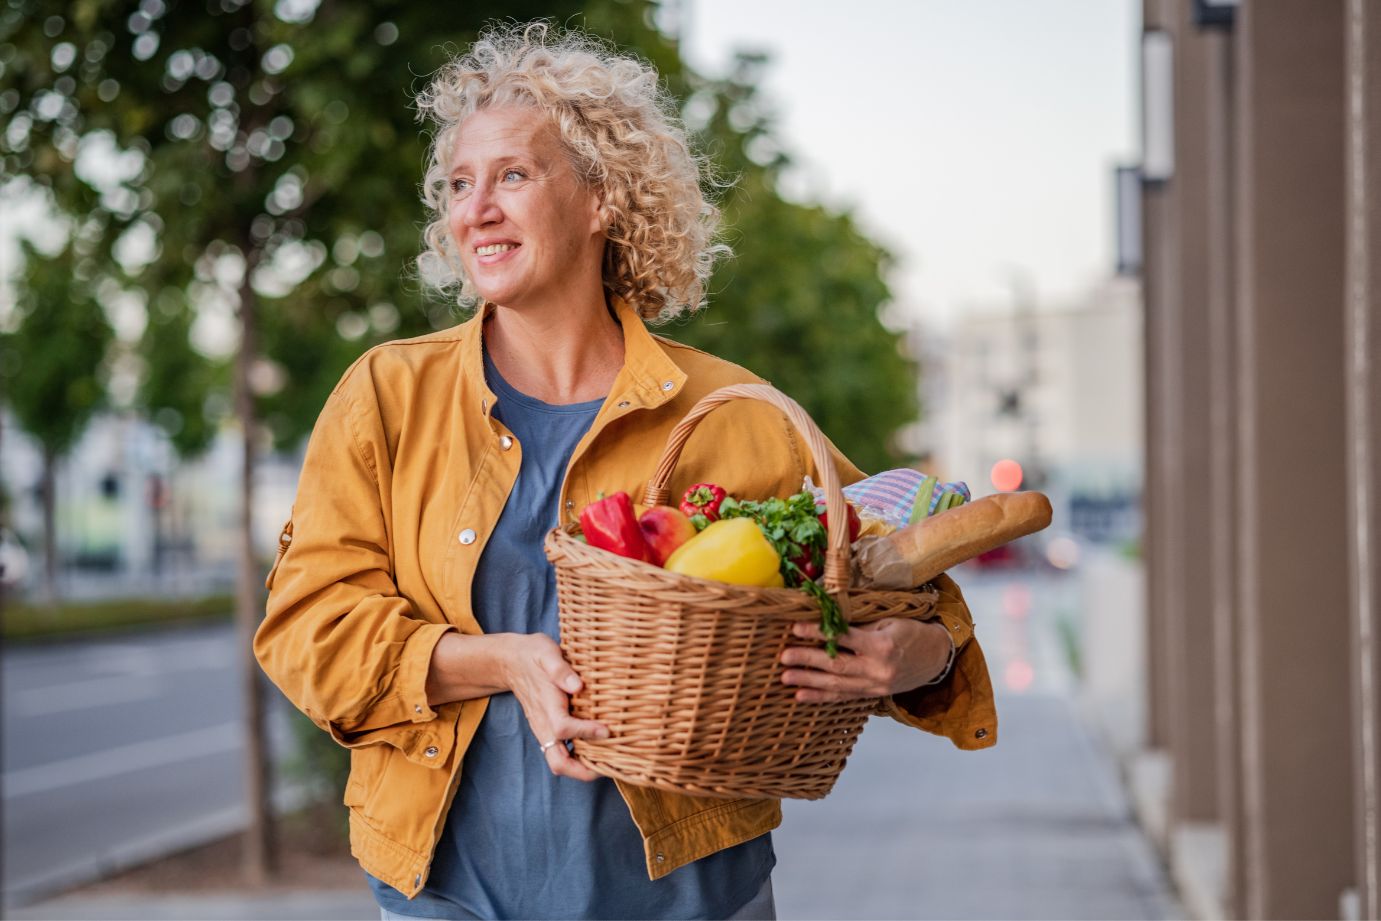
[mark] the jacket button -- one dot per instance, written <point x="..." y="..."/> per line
<point x="505" y="442"/>
<point x="668" y="385"/>
<point x="981" y="734"/>
<point x="467" y="536"/>
<point x="661" y="858"/>
<point x="417" y="708"/>
<point x="417" y="880"/>
<point x="431" y="751"/>
<point x="623" y="404"/>
<point x="570" y="504"/>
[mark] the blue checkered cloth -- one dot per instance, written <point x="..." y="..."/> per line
<point x="899" y="497"/>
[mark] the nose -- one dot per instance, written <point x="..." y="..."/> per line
<point x="481" y="207"/>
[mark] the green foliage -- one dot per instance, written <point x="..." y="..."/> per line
<point x="260" y="136"/>
<point x="20" y="622"/>
<point x="50" y="363"/>
<point x="177" y="382"/>
<point x="799" y="302"/>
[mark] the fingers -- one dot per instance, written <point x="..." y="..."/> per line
<point x="560" y="760"/>
<point x="545" y="697"/>
<point x="563" y="764"/>
<point x="858" y="638"/>
<point x="857" y="672"/>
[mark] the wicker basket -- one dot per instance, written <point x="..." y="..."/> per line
<point x="685" y="672"/>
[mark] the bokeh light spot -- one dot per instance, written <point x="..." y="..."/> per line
<point x="1019" y="674"/>
<point x="1006" y="475"/>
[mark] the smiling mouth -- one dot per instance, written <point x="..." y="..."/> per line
<point x="493" y="249"/>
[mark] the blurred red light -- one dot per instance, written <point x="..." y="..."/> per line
<point x="1019" y="675"/>
<point x="1006" y="475"/>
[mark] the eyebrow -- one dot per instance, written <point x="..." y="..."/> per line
<point x="526" y="157"/>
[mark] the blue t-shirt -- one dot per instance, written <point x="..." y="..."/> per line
<point x="519" y="841"/>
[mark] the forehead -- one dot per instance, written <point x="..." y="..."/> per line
<point x="504" y="132"/>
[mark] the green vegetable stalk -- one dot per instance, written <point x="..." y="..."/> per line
<point x="793" y="527"/>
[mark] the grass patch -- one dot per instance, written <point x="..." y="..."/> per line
<point x="23" y="622"/>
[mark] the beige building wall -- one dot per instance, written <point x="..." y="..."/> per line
<point x="1261" y="376"/>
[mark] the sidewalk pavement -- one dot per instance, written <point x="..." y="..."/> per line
<point x="306" y="905"/>
<point x="1036" y="827"/>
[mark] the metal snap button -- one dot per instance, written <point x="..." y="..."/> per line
<point x="505" y="442"/>
<point x="623" y="404"/>
<point x="668" y="385"/>
<point x="570" y="504"/>
<point x="431" y="751"/>
<point x="467" y="536"/>
<point x="417" y="708"/>
<point x="981" y="734"/>
<point x="417" y="880"/>
<point x="661" y="858"/>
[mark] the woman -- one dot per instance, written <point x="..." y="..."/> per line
<point x="412" y="614"/>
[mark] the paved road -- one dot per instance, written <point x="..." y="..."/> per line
<point x="114" y="750"/>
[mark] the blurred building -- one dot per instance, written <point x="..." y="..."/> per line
<point x="1057" y="389"/>
<point x="133" y="519"/>
<point x="1262" y="229"/>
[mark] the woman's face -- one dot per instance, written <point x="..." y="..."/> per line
<point x="525" y="225"/>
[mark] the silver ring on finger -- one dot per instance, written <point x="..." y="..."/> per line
<point x="549" y="745"/>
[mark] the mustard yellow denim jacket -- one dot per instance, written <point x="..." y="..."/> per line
<point x="405" y="475"/>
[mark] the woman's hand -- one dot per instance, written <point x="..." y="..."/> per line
<point x="888" y="656"/>
<point x="540" y="677"/>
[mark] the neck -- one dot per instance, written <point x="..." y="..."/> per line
<point x="558" y="353"/>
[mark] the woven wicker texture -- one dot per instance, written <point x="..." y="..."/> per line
<point x="685" y="672"/>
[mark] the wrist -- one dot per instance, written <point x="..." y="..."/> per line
<point x="466" y="667"/>
<point x="945" y="652"/>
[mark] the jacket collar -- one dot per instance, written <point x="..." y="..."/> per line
<point x="647" y="379"/>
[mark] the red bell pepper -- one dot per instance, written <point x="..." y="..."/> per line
<point x="855" y="525"/>
<point x="703" y="499"/>
<point x="610" y="524"/>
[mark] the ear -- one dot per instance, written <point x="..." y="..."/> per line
<point x="600" y="218"/>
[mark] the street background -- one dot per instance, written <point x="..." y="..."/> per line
<point x="1024" y="245"/>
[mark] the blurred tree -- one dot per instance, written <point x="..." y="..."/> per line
<point x="177" y="381"/>
<point x="50" y="367"/>
<point x="799" y="303"/>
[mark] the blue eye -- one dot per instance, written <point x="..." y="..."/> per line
<point x="513" y="172"/>
<point x="460" y="185"/>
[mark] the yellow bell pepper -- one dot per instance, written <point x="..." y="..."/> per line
<point x="732" y="550"/>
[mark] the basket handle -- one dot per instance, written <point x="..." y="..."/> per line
<point x="837" y="572"/>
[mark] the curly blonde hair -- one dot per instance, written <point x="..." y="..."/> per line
<point x="622" y="135"/>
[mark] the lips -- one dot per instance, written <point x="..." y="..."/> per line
<point x="495" y="251"/>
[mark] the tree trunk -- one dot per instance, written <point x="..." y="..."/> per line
<point x="258" y="851"/>
<point x="48" y="493"/>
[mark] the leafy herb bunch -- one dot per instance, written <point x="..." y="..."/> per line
<point x="793" y="527"/>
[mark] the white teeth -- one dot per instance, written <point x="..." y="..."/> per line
<point x="493" y="248"/>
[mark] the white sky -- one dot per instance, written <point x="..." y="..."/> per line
<point x="977" y="138"/>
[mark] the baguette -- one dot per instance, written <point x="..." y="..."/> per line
<point x="918" y="553"/>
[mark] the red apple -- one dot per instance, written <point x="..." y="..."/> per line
<point x="664" y="529"/>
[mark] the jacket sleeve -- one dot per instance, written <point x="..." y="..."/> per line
<point x="338" y="639"/>
<point x="961" y="706"/>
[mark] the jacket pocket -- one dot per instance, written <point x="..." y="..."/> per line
<point x="285" y="539"/>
